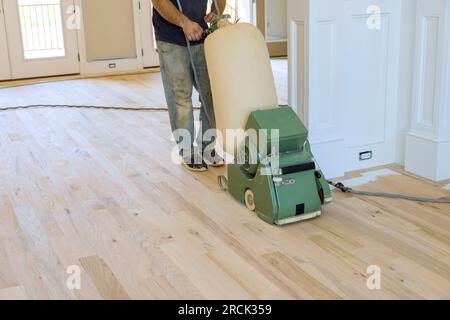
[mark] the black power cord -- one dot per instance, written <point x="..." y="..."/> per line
<point x="340" y="186"/>
<point x="69" y="106"/>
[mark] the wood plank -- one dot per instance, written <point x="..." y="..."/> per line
<point x="104" y="279"/>
<point x="14" y="293"/>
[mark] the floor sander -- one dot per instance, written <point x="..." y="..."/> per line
<point x="294" y="189"/>
<point x="274" y="174"/>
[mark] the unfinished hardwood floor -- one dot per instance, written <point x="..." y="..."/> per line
<point x="97" y="190"/>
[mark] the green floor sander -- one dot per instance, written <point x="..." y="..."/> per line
<point x="274" y="172"/>
<point x="293" y="190"/>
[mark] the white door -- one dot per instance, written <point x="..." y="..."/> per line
<point x="371" y="49"/>
<point x="149" y="54"/>
<point x="42" y="37"/>
<point x="4" y="58"/>
<point x="344" y="77"/>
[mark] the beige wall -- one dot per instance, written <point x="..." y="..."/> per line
<point x="109" y="29"/>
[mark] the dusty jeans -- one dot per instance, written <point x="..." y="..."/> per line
<point x="179" y="81"/>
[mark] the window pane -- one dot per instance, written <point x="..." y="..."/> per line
<point x="42" y="28"/>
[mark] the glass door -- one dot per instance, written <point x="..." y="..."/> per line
<point x="42" y="37"/>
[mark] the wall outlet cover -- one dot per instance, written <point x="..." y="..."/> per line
<point x="366" y="155"/>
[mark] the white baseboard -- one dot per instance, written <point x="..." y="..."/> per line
<point x="427" y="158"/>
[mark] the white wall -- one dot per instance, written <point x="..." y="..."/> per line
<point x="428" y="140"/>
<point x="406" y="74"/>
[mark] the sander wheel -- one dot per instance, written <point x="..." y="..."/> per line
<point x="250" y="200"/>
<point x="223" y="183"/>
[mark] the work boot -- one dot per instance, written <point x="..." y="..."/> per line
<point x="194" y="163"/>
<point x="213" y="159"/>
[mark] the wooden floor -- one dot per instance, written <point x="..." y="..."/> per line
<point x="97" y="189"/>
<point x="136" y="90"/>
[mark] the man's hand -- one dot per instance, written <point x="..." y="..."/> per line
<point x="171" y="13"/>
<point x="192" y="30"/>
<point x="211" y="17"/>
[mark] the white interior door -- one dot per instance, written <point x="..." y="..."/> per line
<point x="42" y="37"/>
<point x="4" y="57"/>
<point x="371" y="75"/>
<point x="149" y="54"/>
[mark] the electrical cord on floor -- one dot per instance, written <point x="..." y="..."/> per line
<point x="340" y="186"/>
<point x="69" y="106"/>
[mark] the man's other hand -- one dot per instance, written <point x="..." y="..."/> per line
<point x="210" y="18"/>
<point x="192" y="30"/>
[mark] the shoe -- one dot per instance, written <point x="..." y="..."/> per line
<point x="213" y="159"/>
<point x="191" y="164"/>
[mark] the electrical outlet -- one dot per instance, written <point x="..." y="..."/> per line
<point x="366" y="155"/>
<point x="112" y="66"/>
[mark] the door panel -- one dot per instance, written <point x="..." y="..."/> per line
<point x="344" y="78"/>
<point x="370" y="95"/>
<point x="4" y="57"/>
<point x="42" y="37"/>
<point x="110" y="37"/>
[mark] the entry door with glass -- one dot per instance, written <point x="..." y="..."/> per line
<point x="42" y="37"/>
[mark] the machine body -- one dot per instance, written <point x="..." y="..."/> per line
<point x="274" y="172"/>
<point x="294" y="190"/>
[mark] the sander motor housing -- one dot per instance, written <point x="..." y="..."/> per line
<point x="282" y="184"/>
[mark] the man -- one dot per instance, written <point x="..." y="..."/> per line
<point x="172" y="27"/>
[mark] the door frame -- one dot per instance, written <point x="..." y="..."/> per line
<point x="5" y="70"/>
<point x="150" y="57"/>
<point x="22" y="68"/>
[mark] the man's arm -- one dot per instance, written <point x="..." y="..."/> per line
<point x="169" y="12"/>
